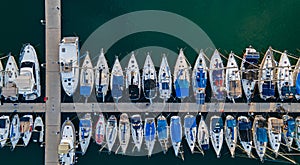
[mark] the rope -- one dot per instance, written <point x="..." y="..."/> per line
<point x="277" y="51"/>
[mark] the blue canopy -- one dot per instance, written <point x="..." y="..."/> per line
<point x="84" y="123"/>
<point x="182" y="88"/>
<point x="190" y="122"/>
<point x="298" y="84"/>
<point x="261" y="134"/>
<point x="150" y="131"/>
<point x="85" y="90"/>
<point x="165" y="85"/>
<point x="200" y="79"/>
<point x="291" y="127"/>
<point x="200" y="98"/>
<point x="245" y="125"/>
<point x="176" y="130"/>
<point x="117" y="85"/>
<point x="2" y="123"/>
<point x="231" y="123"/>
<point x="268" y="89"/>
<point x="162" y="129"/>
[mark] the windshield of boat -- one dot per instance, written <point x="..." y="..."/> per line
<point x="2" y="123"/>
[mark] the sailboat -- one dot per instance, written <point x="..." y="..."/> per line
<point x="181" y="76"/>
<point x="1" y="76"/>
<point x="249" y="71"/>
<point x="162" y="132"/>
<point x="28" y="82"/>
<point x="149" y="79"/>
<point x="190" y="131"/>
<point x="14" y="131"/>
<point x="9" y="89"/>
<point x="26" y="127"/>
<point x="266" y="75"/>
<point x="200" y="78"/>
<point x="203" y="135"/>
<point x="100" y="130"/>
<point x="285" y="83"/>
<point x="245" y="133"/>
<point x="116" y="80"/>
<point x="150" y="133"/>
<point x="86" y="77"/>
<point x="101" y="76"/>
<point x="124" y="132"/>
<point x="288" y="130"/>
<point x="164" y="79"/>
<point x="216" y="133"/>
<point x="38" y="130"/>
<point x="176" y="133"/>
<point x="133" y="78"/>
<point x="274" y="132"/>
<point x="231" y="134"/>
<point x="85" y="132"/>
<point x="296" y="79"/>
<point x="297" y="132"/>
<point x="137" y="131"/>
<point x="67" y="146"/>
<point x="233" y="79"/>
<point x="4" y="130"/>
<point x="217" y="76"/>
<point x="260" y="137"/>
<point x="111" y="132"/>
<point x="69" y="62"/>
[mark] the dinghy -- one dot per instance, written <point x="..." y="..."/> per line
<point x="111" y="132"/>
<point x="216" y="134"/>
<point x="150" y="133"/>
<point x="124" y="132"/>
<point x="38" y="130"/>
<point x="86" y="77"/>
<point x="133" y="78"/>
<point x="164" y="79"/>
<point x="10" y="90"/>
<point x="288" y="130"/>
<point x="203" y="135"/>
<point x="231" y="134"/>
<point x="245" y="133"/>
<point x="200" y="78"/>
<point x="100" y="130"/>
<point x="69" y="62"/>
<point x="162" y="132"/>
<point x="149" y="79"/>
<point x="4" y="130"/>
<point x="233" y="79"/>
<point x="14" y="131"/>
<point x="297" y="132"/>
<point x="181" y="76"/>
<point x="217" y="76"/>
<point x="137" y="131"/>
<point x="260" y="137"/>
<point x="176" y="133"/>
<point x="26" y="127"/>
<point x="249" y="70"/>
<point x="85" y="132"/>
<point x="266" y="75"/>
<point x="101" y="76"/>
<point x="190" y="131"/>
<point x="116" y="80"/>
<point x="296" y="79"/>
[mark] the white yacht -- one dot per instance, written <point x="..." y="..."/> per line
<point x="10" y="90"/>
<point x="4" y="130"/>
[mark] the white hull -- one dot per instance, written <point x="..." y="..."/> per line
<point x="101" y="76"/>
<point x="295" y="77"/>
<point x="231" y="134"/>
<point x="10" y="90"/>
<point x="86" y="77"/>
<point x="4" y="130"/>
<point x="100" y="130"/>
<point x="26" y="130"/>
<point x="38" y="127"/>
<point x="67" y="148"/>
<point x="287" y="134"/>
<point x="137" y="134"/>
<point x="217" y="76"/>
<point x="203" y="135"/>
<point x="246" y="144"/>
<point x="1" y="75"/>
<point x="216" y="134"/>
<point x="190" y="131"/>
<point x="14" y="132"/>
<point x="274" y="133"/>
<point x="297" y="132"/>
<point x="200" y="66"/>
<point x="165" y="79"/>
<point x="124" y="132"/>
<point x="114" y="84"/>
<point x="133" y="78"/>
<point x="111" y="132"/>
<point x="149" y="79"/>
<point x="85" y="132"/>
<point x="260" y="146"/>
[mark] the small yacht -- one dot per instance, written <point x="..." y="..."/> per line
<point x="86" y="77"/>
<point x="249" y="71"/>
<point x="216" y="133"/>
<point x="111" y="132"/>
<point x="162" y="132"/>
<point x="288" y="130"/>
<point x="200" y="78"/>
<point x="85" y="132"/>
<point x="38" y="130"/>
<point x="101" y="76"/>
<point x="149" y="80"/>
<point x="133" y="78"/>
<point x="164" y="79"/>
<point x="150" y="133"/>
<point x="67" y="145"/>
<point x="230" y="132"/>
<point x="296" y="79"/>
<point x="10" y="90"/>
<point x="203" y="135"/>
<point x="100" y="130"/>
<point x="245" y="133"/>
<point x="116" y="80"/>
<point x="4" y="130"/>
<point x="266" y="75"/>
<point x="260" y="137"/>
<point x="274" y="132"/>
<point x="297" y="132"/>
<point x="26" y="127"/>
<point x="69" y="62"/>
<point x="14" y="131"/>
<point x="176" y="133"/>
<point x="124" y="132"/>
<point x="137" y="131"/>
<point x="181" y="76"/>
<point x="233" y="79"/>
<point x="28" y="81"/>
<point x="217" y="76"/>
<point x="190" y="131"/>
<point x="285" y="83"/>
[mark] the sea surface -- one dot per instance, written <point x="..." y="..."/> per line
<point x="230" y="25"/>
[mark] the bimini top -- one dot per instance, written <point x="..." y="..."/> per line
<point x="291" y="126"/>
<point x="245" y="125"/>
<point x="176" y="130"/>
<point x="190" y="122"/>
<point x="85" y="123"/>
<point x="231" y="123"/>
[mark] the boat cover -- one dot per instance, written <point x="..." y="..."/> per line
<point x="85" y="90"/>
<point x="245" y="125"/>
<point x="2" y="123"/>
<point x="63" y="148"/>
<point x="200" y="79"/>
<point x="231" y="123"/>
<point x="190" y="123"/>
<point x="182" y="88"/>
<point x="245" y="135"/>
<point x="298" y="83"/>
<point x="117" y="84"/>
<point x="165" y="85"/>
<point x="261" y="134"/>
<point x="162" y="129"/>
<point x="291" y="127"/>
<point x="205" y="146"/>
<point x="85" y="123"/>
<point x="268" y="89"/>
<point x="288" y="90"/>
<point x="200" y="98"/>
<point x="134" y="92"/>
<point x="176" y="130"/>
<point x="150" y="131"/>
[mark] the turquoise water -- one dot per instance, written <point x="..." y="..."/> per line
<point x="231" y="25"/>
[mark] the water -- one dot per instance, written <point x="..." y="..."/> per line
<point x="230" y="25"/>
